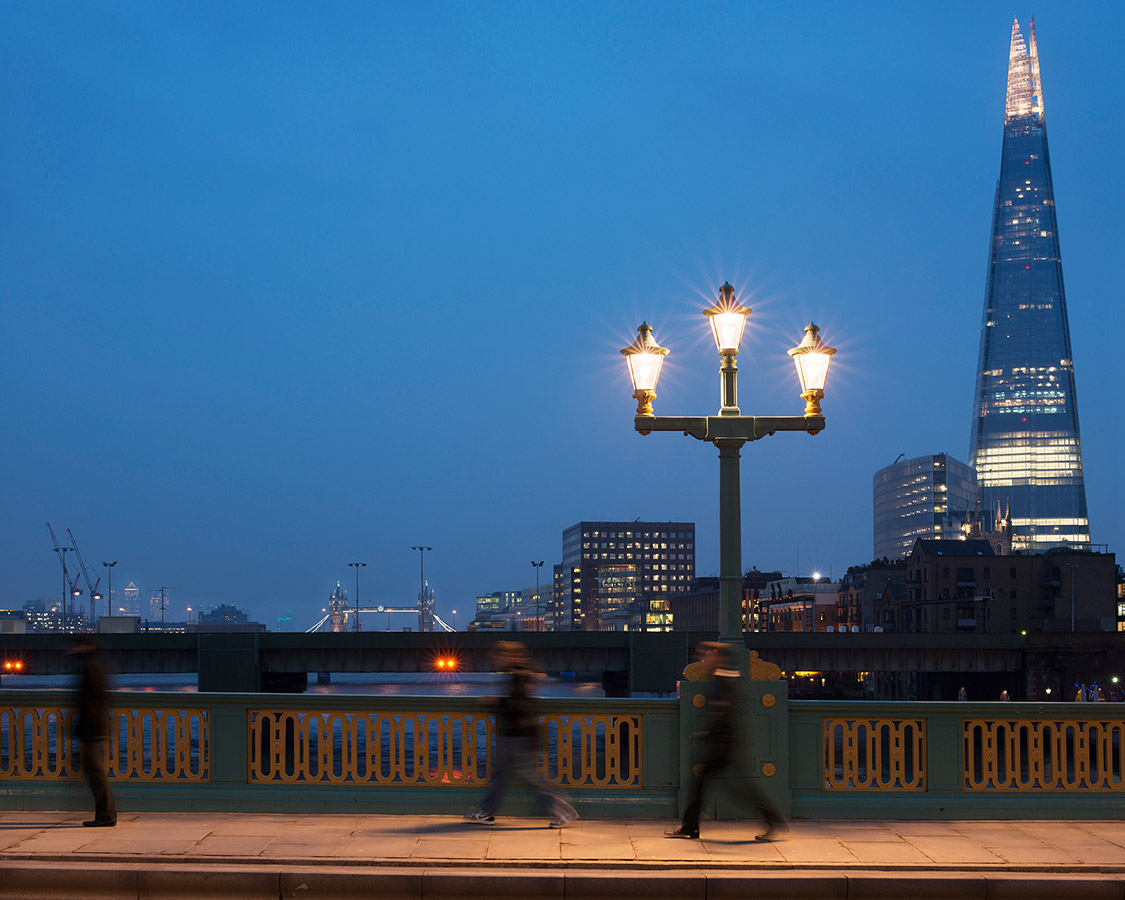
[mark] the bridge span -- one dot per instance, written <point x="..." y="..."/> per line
<point x="627" y="662"/>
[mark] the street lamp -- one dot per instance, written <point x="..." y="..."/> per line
<point x="357" y="566"/>
<point x="454" y="620"/>
<point x="729" y="430"/>
<point x="644" y="357"/>
<point x="1072" y="567"/>
<point x="109" y="588"/>
<point x="422" y="583"/>
<point x="538" y="616"/>
<point x="812" y="357"/>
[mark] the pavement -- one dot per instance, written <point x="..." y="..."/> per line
<point x="161" y="856"/>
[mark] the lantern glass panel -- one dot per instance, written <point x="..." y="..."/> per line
<point x="727" y="327"/>
<point x="644" y="369"/>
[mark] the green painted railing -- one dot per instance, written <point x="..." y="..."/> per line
<point x="957" y="760"/>
<point x="316" y="752"/>
<point x="330" y="752"/>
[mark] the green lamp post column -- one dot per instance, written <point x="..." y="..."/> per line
<point x="729" y="430"/>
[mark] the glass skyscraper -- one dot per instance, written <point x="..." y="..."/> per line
<point x="927" y="497"/>
<point x="1025" y="445"/>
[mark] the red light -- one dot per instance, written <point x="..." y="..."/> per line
<point x="19" y="665"/>
<point x="8" y="666"/>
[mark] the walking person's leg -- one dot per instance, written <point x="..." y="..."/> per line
<point x="502" y="771"/>
<point x="558" y="805"/>
<point x="93" y="765"/>
<point x="689" y="825"/>
<point x="757" y="800"/>
<point x="775" y="822"/>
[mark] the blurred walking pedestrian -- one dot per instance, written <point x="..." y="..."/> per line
<point x="92" y="729"/>
<point x="722" y="749"/>
<point x="517" y="734"/>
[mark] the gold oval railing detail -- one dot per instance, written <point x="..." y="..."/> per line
<point x="875" y="754"/>
<point x="1044" y="754"/>
<point x="433" y="748"/>
<point x="142" y="744"/>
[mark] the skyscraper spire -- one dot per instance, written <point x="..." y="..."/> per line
<point x="1025" y="443"/>
<point x="1025" y="91"/>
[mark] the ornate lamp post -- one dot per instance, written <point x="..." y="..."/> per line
<point x="729" y="430"/>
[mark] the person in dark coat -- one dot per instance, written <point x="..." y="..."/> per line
<point x="92" y="729"/>
<point x="722" y="750"/>
<point x="517" y="733"/>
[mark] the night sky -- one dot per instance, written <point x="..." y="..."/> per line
<point x="286" y="286"/>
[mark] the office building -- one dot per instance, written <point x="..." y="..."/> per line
<point x="862" y="588"/>
<point x="800" y="604"/>
<point x="965" y="586"/>
<point x="926" y="497"/>
<point x="698" y="608"/>
<point x="1025" y="444"/>
<point x="44" y="614"/>
<point x="131" y="601"/>
<point x="615" y="575"/>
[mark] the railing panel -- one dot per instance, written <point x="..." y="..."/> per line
<point x="1044" y="754"/>
<point x="434" y="748"/>
<point x="142" y="744"/>
<point x="874" y="754"/>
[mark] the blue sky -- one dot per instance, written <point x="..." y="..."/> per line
<point x="290" y="285"/>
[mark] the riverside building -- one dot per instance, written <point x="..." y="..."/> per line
<point x="618" y="576"/>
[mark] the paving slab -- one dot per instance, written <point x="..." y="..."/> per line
<point x="898" y="853"/>
<point x="384" y="846"/>
<point x="285" y="849"/>
<point x="450" y="848"/>
<point x="233" y="845"/>
<point x="816" y="852"/>
<point x="953" y="849"/>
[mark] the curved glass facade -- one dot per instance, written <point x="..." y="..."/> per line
<point x="927" y="497"/>
<point x="1025" y="444"/>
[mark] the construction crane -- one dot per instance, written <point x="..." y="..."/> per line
<point x="70" y="588"/>
<point x="92" y="587"/>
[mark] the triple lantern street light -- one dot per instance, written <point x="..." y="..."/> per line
<point x="729" y="430"/>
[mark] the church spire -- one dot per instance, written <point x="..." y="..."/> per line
<point x="1025" y="92"/>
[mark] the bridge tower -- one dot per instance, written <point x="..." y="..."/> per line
<point x="426" y="608"/>
<point x="338" y="610"/>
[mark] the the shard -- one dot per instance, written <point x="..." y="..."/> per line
<point x="1025" y="443"/>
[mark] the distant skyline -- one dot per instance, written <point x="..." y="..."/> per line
<point x="285" y="287"/>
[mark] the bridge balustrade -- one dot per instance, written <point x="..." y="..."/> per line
<point x="262" y="752"/>
<point x="254" y="752"/>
